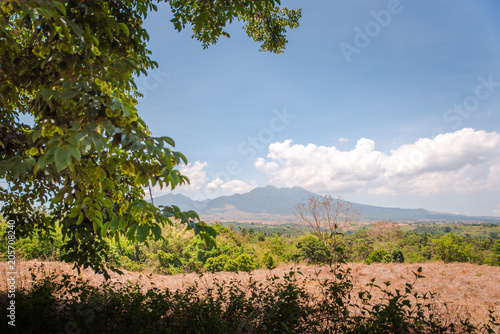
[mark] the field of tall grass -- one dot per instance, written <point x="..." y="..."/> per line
<point x="356" y="298"/>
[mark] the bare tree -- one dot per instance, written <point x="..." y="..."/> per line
<point x="328" y="217"/>
<point x="386" y="232"/>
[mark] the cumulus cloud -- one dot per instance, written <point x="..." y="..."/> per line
<point x="196" y="172"/>
<point x="218" y="187"/>
<point x="201" y="186"/>
<point x="464" y="161"/>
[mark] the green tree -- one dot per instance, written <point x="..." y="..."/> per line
<point x="218" y="263"/>
<point x="494" y="258"/>
<point x="243" y="262"/>
<point x="268" y="261"/>
<point x="313" y="250"/>
<point x="88" y="156"/>
<point x="379" y="255"/>
<point x="397" y="255"/>
<point x="450" y="248"/>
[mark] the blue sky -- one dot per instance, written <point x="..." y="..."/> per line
<point x="391" y="103"/>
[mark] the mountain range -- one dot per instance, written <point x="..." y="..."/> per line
<point x="276" y="204"/>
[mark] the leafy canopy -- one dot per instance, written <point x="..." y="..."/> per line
<point x="88" y="157"/>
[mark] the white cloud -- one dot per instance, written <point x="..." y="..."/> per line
<point x="197" y="176"/>
<point x="196" y="173"/>
<point x="220" y="188"/>
<point x="202" y="187"/>
<point x="343" y="140"/>
<point x="464" y="161"/>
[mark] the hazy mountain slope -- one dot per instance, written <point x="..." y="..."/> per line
<point x="281" y="201"/>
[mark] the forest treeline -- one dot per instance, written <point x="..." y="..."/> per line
<point x="245" y="247"/>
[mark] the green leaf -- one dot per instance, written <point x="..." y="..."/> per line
<point x="144" y="180"/>
<point x="74" y="152"/>
<point x="59" y="6"/>
<point x="75" y="27"/>
<point x="210" y="230"/>
<point x="197" y="228"/>
<point x="167" y="214"/>
<point x="124" y="27"/>
<point x="68" y="93"/>
<point x="75" y="211"/>
<point x="114" y="223"/>
<point x="98" y="214"/>
<point x="104" y="229"/>
<point x="96" y="224"/>
<point x="142" y="232"/>
<point x="62" y="158"/>
<point x="48" y="94"/>
<point x="169" y="141"/>
<point x="157" y="232"/>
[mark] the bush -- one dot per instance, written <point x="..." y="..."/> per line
<point x="217" y="263"/>
<point x="450" y="248"/>
<point x="416" y="258"/>
<point x="277" y="305"/>
<point x="313" y="250"/>
<point x="268" y="261"/>
<point x="35" y="249"/>
<point x="378" y="256"/>
<point x="243" y="262"/>
<point x="32" y="248"/>
<point x="397" y="255"/>
<point x="494" y="257"/>
<point x="168" y="260"/>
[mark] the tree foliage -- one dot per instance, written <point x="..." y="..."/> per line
<point x="313" y="250"/>
<point x="88" y="156"/>
<point x="451" y="248"/>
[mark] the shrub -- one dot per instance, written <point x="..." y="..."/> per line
<point x="231" y="265"/>
<point x="217" y="263"/>
<point x="378" y="256"/>
<point x="268" y="261"/>
<point x="277" y="305"/>
<point x="450" y="248"/>
<point x="415" y="258"/>
<point x="313" y="250"/>
<point x="168" y="260"/>
<point x="35" y="249"/>
<point x="397" y="255"/>
<point x="494" y="257"/>
<point x="243" y="262"/>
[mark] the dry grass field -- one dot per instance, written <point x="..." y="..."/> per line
<point x="461" y="289"/>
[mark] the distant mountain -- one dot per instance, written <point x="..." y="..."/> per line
<point x="272" y="202"/>
<point x="258" y="201"/>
